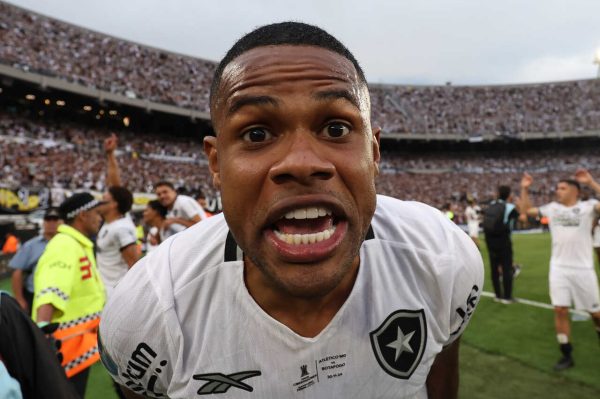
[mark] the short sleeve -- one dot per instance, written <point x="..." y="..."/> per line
<point x="22" y="259"/>
<point x="126" y="236"/>
<point x="135" y="337"/>
<point x="467" y="285"/>
<point x="53" y="279"/>
<point x="191" y="208"/>
<point x="545" y="209"/>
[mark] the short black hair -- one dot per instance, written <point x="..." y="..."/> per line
<point x="122" y="197"/>
<point x="161" y="210"/>
<point x="571" y="182"/>
<point x="165" y="183"/>
<point x="503" y="192"/>
<point x="283" y="33"/>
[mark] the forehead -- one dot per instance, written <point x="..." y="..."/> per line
<point x="263" y="69"/>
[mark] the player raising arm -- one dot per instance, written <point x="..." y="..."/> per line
<point x="573" y="278"/>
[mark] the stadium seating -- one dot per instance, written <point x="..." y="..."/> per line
<point x="39" y="44"/>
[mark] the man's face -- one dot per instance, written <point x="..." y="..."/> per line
<point x="149" y="214"/>
<point x="108" y="205"/>
<point x="166" y="196"/>
<point x="566" y="193"/>
<point x="50" y="225"/>
<point x="91" y="221"/>
<point x="295" y="159"/>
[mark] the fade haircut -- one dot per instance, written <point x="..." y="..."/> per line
<point x="571" y="182"/>
<point x="282" y="33"/>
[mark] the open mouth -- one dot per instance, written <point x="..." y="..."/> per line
<point x="305" y="226"/>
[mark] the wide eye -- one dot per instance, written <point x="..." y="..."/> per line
<point x="257" y="135"/>
<point x="336" y="130"/>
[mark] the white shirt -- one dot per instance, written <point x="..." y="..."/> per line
<point x="472" y="214"/>
<point x="571" y="229"/>
<point x="186" y="208"/>
<point x="111" y="239"/>
<point x="182" y="320"/>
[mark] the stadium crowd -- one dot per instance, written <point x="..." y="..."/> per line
<point x="58" y="154"/>
<point x="40" y="44"/>
<point x="64" y="155"/>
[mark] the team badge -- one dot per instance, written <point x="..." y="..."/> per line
<point x="399" y="342"/>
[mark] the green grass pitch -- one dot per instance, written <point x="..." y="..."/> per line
<point x="508" y="350"/>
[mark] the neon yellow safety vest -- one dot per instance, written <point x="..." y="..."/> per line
<point x="67" y="278"/>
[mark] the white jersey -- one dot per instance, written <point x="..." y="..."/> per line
<point x="596" y="235"/>
<point x="186" y="208"/>
<point x="111" y="239"/>
<point x="472" y="215"/>
<point x="571" y="229"/>
<point x="182" y="322"/>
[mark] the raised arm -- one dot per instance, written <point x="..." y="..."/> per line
<point x="525" y="206"/>
<point x="584" y="177"/>
<point x="113" y="174"/>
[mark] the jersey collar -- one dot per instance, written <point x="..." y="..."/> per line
<point x="76" y="234"/>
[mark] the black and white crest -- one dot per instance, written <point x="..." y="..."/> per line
<point x="399" y="342"/>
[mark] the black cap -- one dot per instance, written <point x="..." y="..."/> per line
<point x="52" y="213"/>
<point x="76" y="204"/>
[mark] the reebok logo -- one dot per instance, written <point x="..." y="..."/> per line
<point x="220" y="383"/>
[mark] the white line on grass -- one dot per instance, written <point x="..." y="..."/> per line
<point x="535" y="303"/>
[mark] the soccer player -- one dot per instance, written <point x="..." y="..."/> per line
<point x="116" y="243"/>
<point x="182" y="211"/>
<point x="27" y="257"/>
<point x="572" y="276"/>
<point x="473" y="216"/>
<point x="154" y="217"/>
<point x="309" y="284"/>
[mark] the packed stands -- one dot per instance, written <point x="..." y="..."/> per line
<point x="39" y="44"/>
<point x="40" y="151"/>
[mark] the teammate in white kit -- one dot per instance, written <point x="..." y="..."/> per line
<point x="182" y="211"/>
<point x="572" y="275"/>
<point x="116" y="242"/>
<point x="473" y="216"/>
<point x="308" y="285"/>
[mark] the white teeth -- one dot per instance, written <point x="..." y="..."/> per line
<point x="307" y="213"/>
<point x="311" y="238"/>
<point x="300" y="214"/>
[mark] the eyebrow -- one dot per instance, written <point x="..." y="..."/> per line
<point x="251" y="101"/>
<point x="337" y="94"/>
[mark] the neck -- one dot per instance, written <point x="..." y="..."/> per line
<point x="570" y="202"/>
<point x="79" y="227"/>
<point x="48" y="236"/>
<point x="112" y="216"/>
<point x="306" y="316"/>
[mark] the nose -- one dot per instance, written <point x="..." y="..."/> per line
<point x="303" y="159"/>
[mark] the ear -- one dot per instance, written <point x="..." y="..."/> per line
<point x="376" y="153"/>
<point x="210" y="149"/>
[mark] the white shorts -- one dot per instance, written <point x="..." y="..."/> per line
<point x="473" y="229"/>
<point x="596" y="236"/>
<point x="578" y="287"/>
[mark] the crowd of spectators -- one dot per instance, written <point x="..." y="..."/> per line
<point x="39" y="44"/>
<point x="54" y="154"/>
<point x="38" y="152"/>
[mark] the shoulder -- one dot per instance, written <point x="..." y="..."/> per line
<point x="414" y="223"/>
<point x="419" y="229"/>
<point x="35" y="241"/>
<point x="179" y="259"/>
